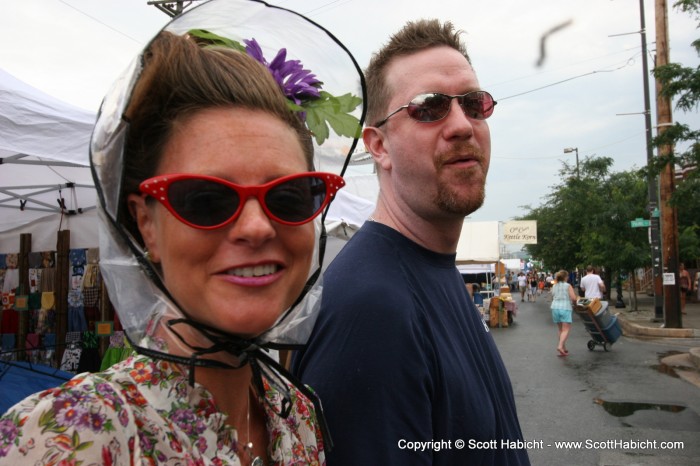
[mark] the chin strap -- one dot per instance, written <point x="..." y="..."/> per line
<point x="247" y="352"/>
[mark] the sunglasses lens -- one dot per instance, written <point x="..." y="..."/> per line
<point x="429" y="107"/>
<point x="202" y="202"/>
<point x="477" y="105"/>
<point x="297" y="200"/>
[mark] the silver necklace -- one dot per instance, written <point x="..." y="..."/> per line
<point x="248" y="447"/>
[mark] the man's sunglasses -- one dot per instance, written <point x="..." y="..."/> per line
<point x="207" y="202"/>
<point x="435" y="106"/>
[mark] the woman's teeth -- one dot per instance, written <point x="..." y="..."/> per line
<point x="257" y="271"/>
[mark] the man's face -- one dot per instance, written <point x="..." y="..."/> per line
<point x="436" y="169"/>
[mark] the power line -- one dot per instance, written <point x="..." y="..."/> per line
<point x="99" y="21"/>
<point x="558" y="156"/>
<point x="563" y="81"/>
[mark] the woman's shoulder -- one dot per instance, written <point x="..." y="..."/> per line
<point x="83" y="414"/>
<point x="95" y="418"/>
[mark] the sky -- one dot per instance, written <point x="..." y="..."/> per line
<point x="586" y="93"/>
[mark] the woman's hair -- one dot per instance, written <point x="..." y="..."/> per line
<point x="414" y="37"/>
<point x="180" y="78"/>
<point x="562" y="275"/>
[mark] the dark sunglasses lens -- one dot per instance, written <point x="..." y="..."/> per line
<point x="429" y="107"/>
<point x="477" y="105"/>
<point x="297" y="200"/>
<point x="202" y="202"/>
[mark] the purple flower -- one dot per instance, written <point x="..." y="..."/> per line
<point x="145" y="441"/>
<point x="73" y="416"/>
<point x="8" y="433"/>
<point x="297" y="83"/>
<point x="97" y="422"/>
<point x="107" y="393"/>
<point x="186" y="420"/>
<point x="123" y="418"/>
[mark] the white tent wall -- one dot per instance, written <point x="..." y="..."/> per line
<point x="44" y="231"/>
<point x="513" y="264"/>
<point x="467" y="269"/>
<point x="478" y="243"/>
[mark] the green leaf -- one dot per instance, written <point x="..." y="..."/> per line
<point x="214" y="39"/>
<point x="333" y="111"/>
<point x="47" y="422"/>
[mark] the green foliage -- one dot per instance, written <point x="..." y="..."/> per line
<point x="682" y="84"/>
<point x="586" y="219"/>
<point x="333" y="111"/>
<point x="689" y="244"/>
<point x="215" y="40"/>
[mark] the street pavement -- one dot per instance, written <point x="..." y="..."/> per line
<point x="613" y="407"/>
<point x="641" y="323"/>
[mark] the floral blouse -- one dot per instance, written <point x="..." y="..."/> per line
<point x="144" y="412"/>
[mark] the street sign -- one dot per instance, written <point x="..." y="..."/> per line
<point x="640" y="223"/>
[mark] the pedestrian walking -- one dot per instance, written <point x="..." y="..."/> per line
<point x="533" y="288"/>
<point x="522" y="286"/>
<point x="563" y="297"/>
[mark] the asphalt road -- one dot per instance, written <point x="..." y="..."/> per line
<point x="621" y="405"/>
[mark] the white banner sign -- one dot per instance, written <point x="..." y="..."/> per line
<point x="521" y="232"/>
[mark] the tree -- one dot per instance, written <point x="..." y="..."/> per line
<point x="682" y="84"/>
<point x="586" y="220"/>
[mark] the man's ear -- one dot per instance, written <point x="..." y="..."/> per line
<point x="144" y="216"/>
<point x="376" y="143"/>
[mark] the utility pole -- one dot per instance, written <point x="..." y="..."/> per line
<point x="569" y="150"/>
<point x="171" y="7"/>
<point x="669" y="219"/>
<point x="652" y="182"/>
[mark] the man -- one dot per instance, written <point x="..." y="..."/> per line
<point x="592" y="284"/>
<point x="399" y="354"/>
<point x="522" y="286"/>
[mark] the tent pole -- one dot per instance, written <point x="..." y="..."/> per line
<point x="25" y="247"/>
<point x="61" y="287"/>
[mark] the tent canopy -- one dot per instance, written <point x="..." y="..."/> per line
<point x="44" y="168"/>
<point x="478" y="243"/>
<point x="46" y="184"/>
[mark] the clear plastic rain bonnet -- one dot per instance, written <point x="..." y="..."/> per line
<point x="135" y="288"/>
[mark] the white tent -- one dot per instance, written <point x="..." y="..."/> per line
<point x="44" y="169"/>
<point x="46" y="185"/>
<point x="478" y="243"/>
<point x="478" y="247"/>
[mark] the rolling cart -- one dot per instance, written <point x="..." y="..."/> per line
<point x="603" y="328"/>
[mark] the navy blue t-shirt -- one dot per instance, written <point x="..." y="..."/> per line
<point x="403" y="363"/>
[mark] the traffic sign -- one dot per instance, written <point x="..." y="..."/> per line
<point x="640" y="223"/>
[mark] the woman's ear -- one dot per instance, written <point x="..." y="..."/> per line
<point x="376" y="142"/>
<point x="144" y="216"/>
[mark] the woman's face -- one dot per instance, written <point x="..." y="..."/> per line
<point x="240" y="277"/>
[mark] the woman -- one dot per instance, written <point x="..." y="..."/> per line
<point x="533" y="287"/>
<point x="563" y="297"/>
<point x="210" y="234"/>
<point x="686" y="284"/>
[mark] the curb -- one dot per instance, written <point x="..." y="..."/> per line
<point x="695" y="357"/>
<point x="632" y="329"/>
